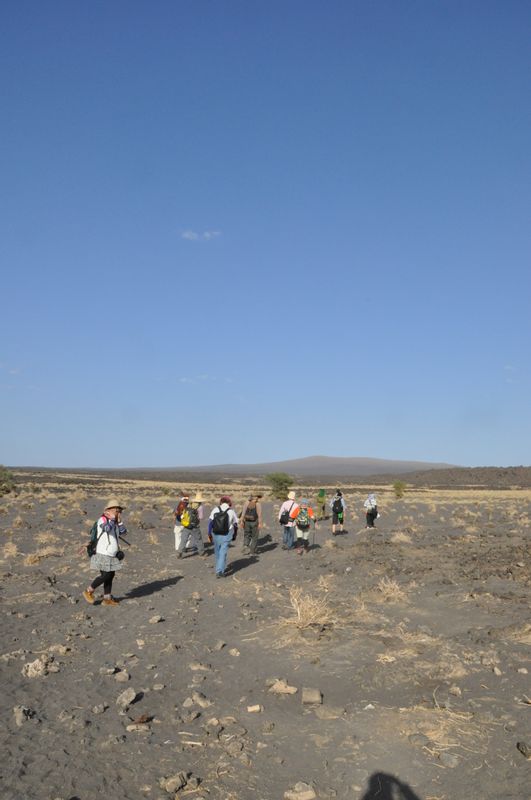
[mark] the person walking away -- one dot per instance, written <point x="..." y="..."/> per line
<point x="192" y="529"/>
<point x="303" y="515"/>
<point x="251" y="522"/>
<point x="320" y="504"/>
<point x="222" y="526"/>
<point x="338" y="506"/>
<point x="108" y="556"/>
<point x="178" y="528"/>
<point x="288" y="523"/>
<point x="371" y="510"/>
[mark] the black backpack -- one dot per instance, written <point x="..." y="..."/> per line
<point x="221" y="522"/>
<point x="285" y="516"/>
<point x="193" y="516"/>
<point x="337" y="508"/>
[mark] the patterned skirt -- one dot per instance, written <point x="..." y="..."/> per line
<point x="105" y="563"/>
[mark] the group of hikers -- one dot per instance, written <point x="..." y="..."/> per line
<point x="295" y="517"/>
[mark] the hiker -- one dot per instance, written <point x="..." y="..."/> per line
<point x="178" y="528"/>
<point x="337" y="504"/>
<point x="191" y="531"/>
<point x="222" y="526"/>
<point x="303" y="515"/>
<point x="371" y="510"/>
<point x="108" y="556"/>
<point x="287" y="522"/>
<point x="320" y="504"/>
<point x="251" y="522"/>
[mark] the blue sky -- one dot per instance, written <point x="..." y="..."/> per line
<point x="249" y="231"/>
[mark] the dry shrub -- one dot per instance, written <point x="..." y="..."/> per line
<point x="390" y="591"/>
<point x="400" y="537"/>
<point x="46" y="538"/>
<point x="153" y="538"/>
<point x="310" y="609"/>
<point x="10" y="550"/>
<point x="40" y="555"/>
<point x="19" y="522"/>
<point x="446" y="729"/>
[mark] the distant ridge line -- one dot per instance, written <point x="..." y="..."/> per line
<point x="317" y="466"/>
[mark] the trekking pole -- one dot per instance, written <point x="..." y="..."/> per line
<point x="124" y="540"/>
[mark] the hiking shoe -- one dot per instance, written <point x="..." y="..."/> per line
<point x="109" y="601"/>
<point x="89" y="597"/>
<point x="179" y="555"/>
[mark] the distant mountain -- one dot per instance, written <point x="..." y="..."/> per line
<point x="318" y="467"/>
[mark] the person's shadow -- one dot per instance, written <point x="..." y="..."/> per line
<point x="386" y="787"/>
<point x="240" y="563"/>
<point x="146" y="589"/>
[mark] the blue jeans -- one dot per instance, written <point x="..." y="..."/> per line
<point x="221" y="545"/>
<point x="287" y="536"/>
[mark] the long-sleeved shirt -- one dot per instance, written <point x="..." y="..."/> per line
<point x="109" y="531"/>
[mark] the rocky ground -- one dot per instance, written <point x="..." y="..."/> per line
<point x="389" y="664"/>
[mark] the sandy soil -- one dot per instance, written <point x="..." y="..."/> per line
<point x="414" y="637"/>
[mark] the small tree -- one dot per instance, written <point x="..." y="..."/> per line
<point x="280" y="483"/>
<point x="399" y="488"/>
<point x="7" y="483"/>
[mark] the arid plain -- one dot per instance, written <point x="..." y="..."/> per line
<point x="390" y="664"/>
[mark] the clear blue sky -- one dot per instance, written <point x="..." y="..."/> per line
<point x="246" y="231"/>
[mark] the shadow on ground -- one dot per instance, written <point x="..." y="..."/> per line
<point x="146" y="589"/>
<point x="386" y="787"/>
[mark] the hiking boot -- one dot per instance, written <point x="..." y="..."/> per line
<point x="179" y="555"/>
<point x="89" y="596"/>
<point x="109" y="601"/>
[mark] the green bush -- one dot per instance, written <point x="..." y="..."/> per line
<point x="399" y="488"/>
<point x="7" y="482"/>
<point x="280" y="483"/>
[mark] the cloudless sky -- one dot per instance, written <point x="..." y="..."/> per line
<point x="243" y="231"/>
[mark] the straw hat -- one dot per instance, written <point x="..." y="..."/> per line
<point x="197" y="498"/>
<point x="291" y="495"/>
<point x="114" y="503"/>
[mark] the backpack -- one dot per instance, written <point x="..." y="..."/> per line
<point x="251" y="515"/>
<point x="192" y="517"/>
<point x="337" y="506"/>
<point x="94" y="538"/>
<point x="285" y="516"/>
<point x="221" y="522"/>
<point x="303" y="519"/>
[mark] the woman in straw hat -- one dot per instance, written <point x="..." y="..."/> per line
<point x="108" y="556"/>
<point x="191" y="522"/>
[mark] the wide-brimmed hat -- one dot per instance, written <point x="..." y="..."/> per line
<point x="291" y="495"/>
<point x="113" y="502"/>
<point x="197" y="499"/>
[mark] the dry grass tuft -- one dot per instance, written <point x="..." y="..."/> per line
<point x="447" y="729"/>
<point x="310" y="609"/>
<point x="153" y="538"/>
<point x="46" y="538"/>
<point x="401" y="538"/>
<point x="390" y="591"/>
<point x="40" y="555"/>
<point x="10" y="550"/>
